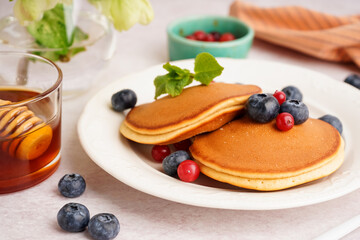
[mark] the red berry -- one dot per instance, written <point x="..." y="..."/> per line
<point x="188" y="171"/>
<point x="284" y="121"/>
<point x="200" y="35"/>
<point x="191" y="37"/>
<point x="183" y="145"/>
<point x="159" y="152"/>
<point x="280" y="96"/>
<point x="209" y="38"/>
<point x="227" y="37"/>
<point x="216" y="35"/>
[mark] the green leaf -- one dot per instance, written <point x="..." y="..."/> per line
<point x="173" y="82"/>
<point x="56" y="31"/>
<point x="206" y="68"/>
<point x="125" y="13"/>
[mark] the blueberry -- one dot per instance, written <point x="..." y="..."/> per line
<point x="71" y="185"/>
<point x="262" y="107"/>
<point x="334" y="121"/>
<point x="73" y="217"/>
<point x="104" y="226"/>
<point x="353" y="80"/>
<point x="292" y="92"/>
<point x="123" y="99"/>
<point x="297" y="109"/>
<point x="172" y="161"/>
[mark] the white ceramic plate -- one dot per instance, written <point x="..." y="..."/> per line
<point x="131" y="163"/>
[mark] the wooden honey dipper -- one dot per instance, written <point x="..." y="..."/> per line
<point x="24" y="135"/>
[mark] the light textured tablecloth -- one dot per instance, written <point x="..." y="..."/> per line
<point x="31" y="214"/>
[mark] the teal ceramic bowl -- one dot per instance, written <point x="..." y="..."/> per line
<point x="182" y="48"/>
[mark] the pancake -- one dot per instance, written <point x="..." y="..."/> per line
<point x="259" y="156"/>
<point x="196" y="110"/>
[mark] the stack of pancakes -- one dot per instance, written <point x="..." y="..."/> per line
<point x="196" y="110"/>
<point x="259" y="156"/>
<point x="240" y="152"/>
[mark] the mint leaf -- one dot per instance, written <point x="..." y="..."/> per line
<point x="52" y="31"/>
<point x="206" y="68"/>
<point x="172" y="82"/>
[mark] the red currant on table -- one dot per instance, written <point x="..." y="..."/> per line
<point x="183" y="145"/>
<point x="188" y="171"/>
<point x="226" y="37"/>
<point x="159" y="152"/>
<point x="200" y="35"/>
<point x="284" y="121"/>
<point x="280" y="96"/>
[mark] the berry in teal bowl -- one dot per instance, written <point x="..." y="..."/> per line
<point x="187" y="37"/>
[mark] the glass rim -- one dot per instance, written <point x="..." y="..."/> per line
<point x="45" y="93"/>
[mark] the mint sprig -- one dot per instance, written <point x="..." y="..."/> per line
<point x="206" y="69"/>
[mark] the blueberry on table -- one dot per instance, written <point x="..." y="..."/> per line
<point x="262" y="107"/>
<point x="292" y="92"/>
<point x="171" y="162"/>
<point x="123" y="99"/>
<point x="73" y="217"/>
<point x="72" y="185"/>
<point x="297" y="109"/>
<point x="104" y="226"/>
<point x="334" y="121"/>
<point x="353" y="80"/>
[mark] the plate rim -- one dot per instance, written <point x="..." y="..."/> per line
<point x="243" y="206"/>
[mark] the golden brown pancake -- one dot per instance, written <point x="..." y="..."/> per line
<point x="259" y="156"/>
<point x="196" y="110"/>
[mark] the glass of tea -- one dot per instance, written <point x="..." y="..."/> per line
<point x="30" y="120"/>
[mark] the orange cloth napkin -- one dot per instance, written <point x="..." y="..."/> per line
<point x="317" y="34"/>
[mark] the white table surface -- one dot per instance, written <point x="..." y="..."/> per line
<point x="31" y="213"/>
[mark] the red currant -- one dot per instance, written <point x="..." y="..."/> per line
<point x="209" y="38"/>
<point x="284" y="121"/>
<point x="188" y="171"/>
<point x="227" y="37"/>
<point x="191" y="37"/>
<point x="216" y="35"/>
<point x="183" y="145"/>
<point x="280" y="96"/>
<point x="159" y="152"/>
<point x="200" y="35"/>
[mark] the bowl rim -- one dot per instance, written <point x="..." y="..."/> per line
<point x="238" y="41"/>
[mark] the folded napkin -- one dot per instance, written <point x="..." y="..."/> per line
<point x="317" y="34"/>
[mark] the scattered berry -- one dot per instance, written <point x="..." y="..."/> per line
<point x="297" y="109"/>
<point x="292" y="92"/>
<point x="188" y="171"/>
<point x="104" y="226"/>
<point x="280" y="96"/>
<point x="183" y="145"/>
<point x="262" y="107"/>
<point x="353" y="80"/>
<point x="171" y="162"/>
<point x="200" y="35"/>
<point x="72" y="185"/>
<point x="334" y="121"/>
<point x="159" y="152"/>
<point x="123" y="99"/>
<point x="284" y="121"/>
<point x="73" y="217"/>
<point x="227" y="37"/>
